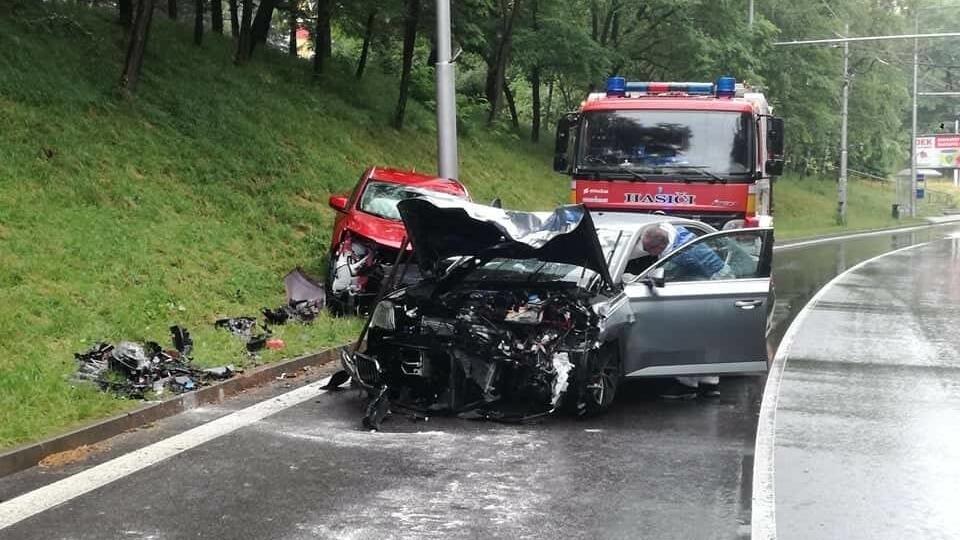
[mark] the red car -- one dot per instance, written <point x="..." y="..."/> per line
<point x="368" y="232"/>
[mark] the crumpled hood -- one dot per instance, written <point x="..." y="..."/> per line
<point x="442" y="228"/>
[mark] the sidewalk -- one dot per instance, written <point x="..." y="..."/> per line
<point x="865" y="430"/>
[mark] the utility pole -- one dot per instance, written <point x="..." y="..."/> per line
<point x="913" y="131"/>
<point x="842" y="184"/>
<point x="447" y="160"/>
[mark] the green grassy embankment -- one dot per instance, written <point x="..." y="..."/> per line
<point x="190" y="202"/>
<point x="807" y="206"/>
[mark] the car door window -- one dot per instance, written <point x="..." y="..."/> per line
<point x="737" y="254"/>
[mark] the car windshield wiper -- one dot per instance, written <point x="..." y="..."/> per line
<point x="702" y="170"/>
<point x="618" y="171"/>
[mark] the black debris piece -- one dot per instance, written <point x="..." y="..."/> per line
<point x="239" y="326"/>
<point x="136" y="370"/>
<point x="337" y="380"/>
<point x="182" y="341"/>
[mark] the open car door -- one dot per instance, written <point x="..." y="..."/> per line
<point x="704" y="308"/>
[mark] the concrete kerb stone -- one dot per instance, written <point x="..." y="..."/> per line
<point x="28" y="455"/>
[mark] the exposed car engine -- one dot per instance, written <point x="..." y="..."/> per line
<point x="493" y="353"/>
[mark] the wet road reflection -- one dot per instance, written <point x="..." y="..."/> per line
<point x="800" y="271"/>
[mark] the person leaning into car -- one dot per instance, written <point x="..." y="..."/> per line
<point x="659" y="241"/>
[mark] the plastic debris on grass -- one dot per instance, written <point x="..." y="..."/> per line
<point x="141" y="370"/>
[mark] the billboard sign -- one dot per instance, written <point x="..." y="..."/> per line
<point x="939" y="151"/>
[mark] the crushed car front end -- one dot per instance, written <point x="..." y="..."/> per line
<point x="503" y="332"/>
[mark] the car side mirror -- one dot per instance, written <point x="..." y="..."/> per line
<point x="338" y="202"/>
<point x="561" y="160"/>
<point x="776" y="140"/>
<point x="655" y="278"/>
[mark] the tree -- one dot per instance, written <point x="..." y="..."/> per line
<point x="411" y="21"/>
<point x="260" y="29"/>
<point x="294" y="14"/>
<point x="367" y="38"/>
<point x="198" y="23"/>
<point x="136" y="45"/>
<point x="216" y="16"/>
<point x="234" y="20"/>
<point x="322" y="36"/>
<point x="172" y="9"/>
<point x="244" y="40"/>
<point x="126" y="12"/>
<point x="509" y="10"/>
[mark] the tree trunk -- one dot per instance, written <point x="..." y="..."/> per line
<point x="198" y="23"/>
<point x="322" y="38"/>
<point x="136" y="45"/>
<point x="172" y="9"/>
<point x="234" y="20"/>
<point x="243" y="42"/>
<point x="294" y="12"/>
<point x="549" y="108"/>
<point x="261" y="24"/>
<point x="535" y="104"/>
<point x="216" y="16"/>
<point x="367" y="38"/>
<point x="126" y="12"/>
<point x="409" y="41"/>
<point x="511" y="105"/>
<point x="503" y="59"/>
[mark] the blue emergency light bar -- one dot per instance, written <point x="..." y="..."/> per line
<point x="724" y="87"/>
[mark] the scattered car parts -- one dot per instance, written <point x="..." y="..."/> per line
<point x="140" y="370"/>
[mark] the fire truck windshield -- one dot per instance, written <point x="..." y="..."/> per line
<point x="703" y="144"/>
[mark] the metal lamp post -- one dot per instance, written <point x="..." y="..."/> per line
<point x="447" y="159"/>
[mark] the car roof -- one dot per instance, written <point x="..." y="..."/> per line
<point x="423" y="181"/>
<point x="635" y="220"/>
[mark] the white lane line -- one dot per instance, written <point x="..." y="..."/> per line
<point x="763" y="517"/>
<point x="46" y="497"/>
<point x="828" y="239"/>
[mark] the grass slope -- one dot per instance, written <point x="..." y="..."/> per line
<point x="190" y="202"/>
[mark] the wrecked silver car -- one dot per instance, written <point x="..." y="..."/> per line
<point x="522" y="314"/>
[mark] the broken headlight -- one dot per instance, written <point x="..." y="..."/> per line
<point x="384" y="316"/>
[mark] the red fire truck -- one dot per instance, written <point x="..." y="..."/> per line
<point x="707" y="151"/>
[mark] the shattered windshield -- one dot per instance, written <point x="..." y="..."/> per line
<point x="667" y="142"/>
<point x="534" y="270"/>
<point x="381" y="198"/>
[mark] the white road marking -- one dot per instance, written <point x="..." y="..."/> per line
<point x="46" y="497"/>
<point x="763" y="507"/>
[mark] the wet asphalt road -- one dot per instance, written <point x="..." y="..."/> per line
<point x="648" y="469"/>
<point x="869" y="404"/>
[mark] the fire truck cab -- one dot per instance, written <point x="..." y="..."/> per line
<point x="705" y="151"/>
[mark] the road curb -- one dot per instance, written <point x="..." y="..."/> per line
<point x="28" y="455"/>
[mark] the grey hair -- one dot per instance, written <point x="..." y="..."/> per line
<point x="654" y="236"/>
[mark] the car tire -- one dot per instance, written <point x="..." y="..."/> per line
<point x="603" y="374"/>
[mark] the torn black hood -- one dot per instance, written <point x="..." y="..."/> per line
<point x="440" y="228"/>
